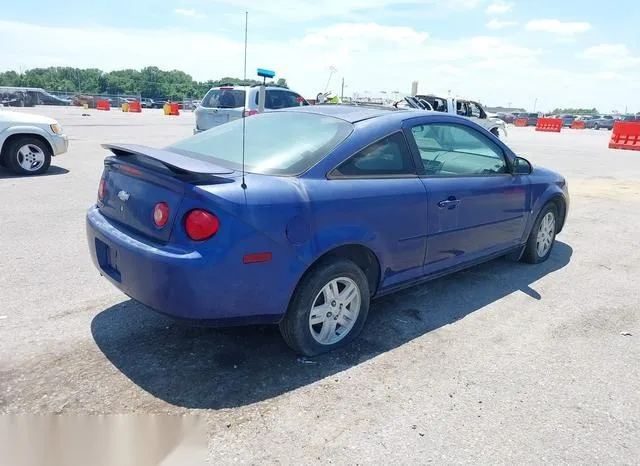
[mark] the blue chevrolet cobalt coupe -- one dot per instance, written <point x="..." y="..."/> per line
<point x="336" y="205"/>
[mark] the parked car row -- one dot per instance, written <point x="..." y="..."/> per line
<point x="591" y="121"/>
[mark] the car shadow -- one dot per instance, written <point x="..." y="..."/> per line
<point x="52" y="171"/>
<point x="197" y="367"/>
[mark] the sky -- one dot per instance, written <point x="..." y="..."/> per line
<point x="543" y="53"/>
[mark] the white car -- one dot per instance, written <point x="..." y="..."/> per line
<point x="227" y="103"/>
<point x="27" y="142"/>
<point x="467" y="108"/>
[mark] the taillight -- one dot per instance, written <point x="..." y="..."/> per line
<point x="102" y="189"/>
<point x="248" y="113"/>
<point x="161" y="214"/>
<point x="201" y="225"/>
<point x="130" y="170"/>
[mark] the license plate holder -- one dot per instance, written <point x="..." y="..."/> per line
<point x="108" y="260"/>
<point x="219" y="119"/>
<point x="112" y="258"/>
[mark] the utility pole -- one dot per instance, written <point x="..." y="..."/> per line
<point x="535" y="103"/>
<point x="342" y="90"/>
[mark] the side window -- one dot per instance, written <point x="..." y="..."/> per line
<point x="388" y="156"/>
<point x="454" y="150"/>
<point x="274" y="100"/>
<point x="476" y="111"/>
<point x="294" y="100"/>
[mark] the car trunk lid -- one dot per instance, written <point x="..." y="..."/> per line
<point x="137" y="178"/>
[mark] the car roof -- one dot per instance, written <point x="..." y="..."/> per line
<point x="355" y="113"/>
<point x="349" y="113"/>
<point x="245" y="88"/>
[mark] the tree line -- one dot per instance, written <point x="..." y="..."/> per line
<point x="149" y="82"/>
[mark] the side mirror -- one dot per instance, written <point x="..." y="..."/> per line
<point x="522" y="166"/>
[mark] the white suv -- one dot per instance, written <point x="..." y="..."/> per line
<point x="227" y="103"/>
<point x="27" y="142"/>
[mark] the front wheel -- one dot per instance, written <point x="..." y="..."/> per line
<point x="496" y="132"/>
<point x="328" y="310"/>
<point x="542" y="236"/>
<point x="596" y="126"/>
<point x="28" y="156"/>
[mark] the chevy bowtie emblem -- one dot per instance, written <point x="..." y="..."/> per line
<point x="123" y="196"/>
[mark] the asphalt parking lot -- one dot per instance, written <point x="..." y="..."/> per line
<point x="503" y="363"/>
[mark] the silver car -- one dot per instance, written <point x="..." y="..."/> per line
<point x="227" y="103"/>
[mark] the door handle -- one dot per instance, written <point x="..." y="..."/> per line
<point x="449" y="203"/>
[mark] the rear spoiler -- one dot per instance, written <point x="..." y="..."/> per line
<point x="177" y="163"/>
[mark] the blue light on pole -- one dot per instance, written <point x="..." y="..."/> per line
<point x="264" y="74"/>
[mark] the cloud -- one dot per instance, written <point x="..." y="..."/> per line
<point x="612" y="56"/>
<point x="499" y="8"/>
<point x="188" y="12"/>
<point x="606" y="51"/>
<point x="554" y="26"/>
<point x="497" y="24"/>
<point x="447" y="69"/>
<point x="608" y="75"/>
<point x="343" y="10"/>
<point x="364" y="33"/>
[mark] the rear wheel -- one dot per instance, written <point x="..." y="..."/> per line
<point x="596" y="126"/>
<point x="28" y="156"/>
<point x="542" y="236"/>
<point x="496" y="132"/>
<point x="328" y="310"/>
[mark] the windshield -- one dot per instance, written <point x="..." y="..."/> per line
<point x="224" y="98"/>
<point x="277" y="143"/>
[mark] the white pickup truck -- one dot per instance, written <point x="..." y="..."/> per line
<point x="464" y="107"/>
<point x="27" y="142"/>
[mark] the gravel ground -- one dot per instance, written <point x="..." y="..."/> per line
<point x="504" y="363"/>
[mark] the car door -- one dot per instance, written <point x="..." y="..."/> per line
<point x="378" y="192"/>
<point x="476" y="207"/>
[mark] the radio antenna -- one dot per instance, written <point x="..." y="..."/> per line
<point x="244" y="105"/>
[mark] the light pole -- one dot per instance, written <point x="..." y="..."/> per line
<point x="332" y="70"/>
<point x="535" y="103"/>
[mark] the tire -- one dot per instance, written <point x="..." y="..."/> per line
<point x="495" y="132"/>
<point x="297" y="327"/>
<point x="39" y="151"/>
<point x="596" y="126"/>
<point x="533" y="254"/>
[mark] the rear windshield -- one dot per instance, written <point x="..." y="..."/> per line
<point x="224" y="98"/>
<point x="277" y="143"/>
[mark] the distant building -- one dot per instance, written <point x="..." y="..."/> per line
<point x="505" y="110"/>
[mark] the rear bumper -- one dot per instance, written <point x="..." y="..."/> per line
<point x="179" y="283"/>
